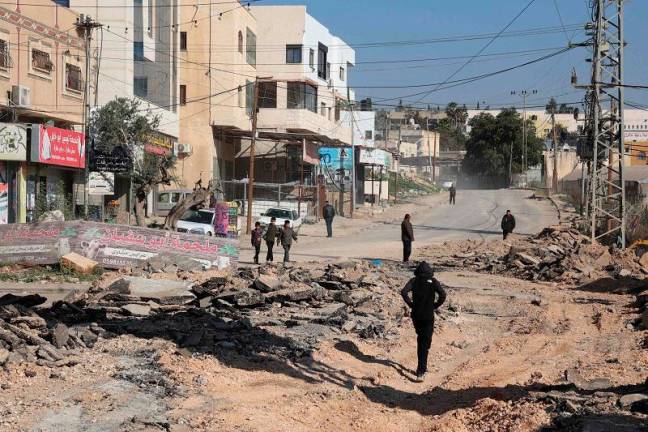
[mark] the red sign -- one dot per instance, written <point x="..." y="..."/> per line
<point x="55" y="146"/>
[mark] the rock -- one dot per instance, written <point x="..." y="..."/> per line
<point x="536" y="301"/>
<point x="625" y="273"/>
<point x="52" y="216"/>
<point x="574" y="377"/>
<point x="205" y="302"/>
<point x="626" y="401"/>
<point x="556" y="249"/>
<point x="60" y="335"/>
<point x="4" y="356"/>
<point x="137" y="310"/>
<point x="243" y="297"/>
<point x="644" y="260"/>
<point x="644" y="319"/>
<point x="527" y="259"/>
<point x="164" y="291"/>
<point x="296" y="294"/>
<point x="30" y="300"/>
<point x="642" y="297"/>
<point x="78" y="263"/>
<point x="267" y="283"/>
<point x="640" y="406"/>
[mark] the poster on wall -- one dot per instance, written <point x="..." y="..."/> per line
<point x="101" y="183"/>
<point x="4" y="193"/>
<point x="332" y="157"/>
<point x="56" y="146"/>
<point x="13" y="142"/>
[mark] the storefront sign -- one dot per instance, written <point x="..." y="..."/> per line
<point x="333" y="157"/>
<point x="374" y="157"/>
<point x="13" y="142"/>
<point x="101" y="183"/>
<point x="4" y="193"/>
<point x="113" y="246"/>
<point x="635" y="135"/>
<point x="116" y="162"/>
<point x="55" y="146"/>
<point x="158" y="144"/>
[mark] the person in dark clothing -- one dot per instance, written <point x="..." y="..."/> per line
<point x="425" y="289"/>
<point x="453" y="194"/>
<point x="257" y="234"/>
<point x="271" y="235"/>
<point x="508" y="224"/>
<point x="329" y="214"/>
<point x="407" y="236"/>
<point x="286" y="237"/>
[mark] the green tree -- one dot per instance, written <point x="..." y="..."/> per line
<point x="491" y="140"/>
<point x="452" y="127"/>
<point x="123" y="123"/>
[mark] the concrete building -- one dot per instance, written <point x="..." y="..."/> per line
<point x="42" y="66"/>
<point x="364" y="127"/>
<point x="308" y="68"/>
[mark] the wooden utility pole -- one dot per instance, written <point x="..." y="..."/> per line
<point x="250" y="189"/>
<point x="398" y="155"/>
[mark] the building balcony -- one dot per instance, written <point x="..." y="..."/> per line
<point x="304" y="120"/>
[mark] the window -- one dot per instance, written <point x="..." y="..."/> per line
<point x="293" y="54"/>
<point x="368" y="135"/>
<point x="267" y="95"/>
<point x="322" y="53"/>
<point x="140" y="86"/>
<point x="250" y="48"/>
<point x="183" y="41"/>
<point x="138" y="51"/>
<point x="311" y="58"/>
<point x="249" y="97"/>
<point x="65" y="3"/>
<point x="341" y="73"/>
<point x="183" y="94"/>
<point x="241" y="102"/>
<point x="73" y="80"/>
<point x="41" y="61"/>
<point x="302" y="96"/>
<point x="5" y="60"/>
<point x="323" y="109"/>
<point x="641" y="156"/>
<point x="240" y="42"/>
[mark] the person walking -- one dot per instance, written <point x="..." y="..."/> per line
<point x="508" y="224"/>
<point x="423" y="302"/>
<point x="286" y="237"/>
<point x="271" y="235"/>
<point x="329" y="214"/>
<point x="407" y="236"/>
<point x="453" y="194"/>
<point x="257" y="236"/>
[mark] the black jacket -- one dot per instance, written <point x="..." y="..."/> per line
<point x="508" y="223"/>
<point x="329" y="211"/>
<point x="407" y="232"/>
<point x="286" y="236"/>
<point x="272" y="233"/>
<point x="424" y="288"/>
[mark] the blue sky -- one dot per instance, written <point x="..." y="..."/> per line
<point x="362" y="21"/>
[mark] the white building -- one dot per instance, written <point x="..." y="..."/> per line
<point x="307" y="71"/>
<point x="364" y="125"/>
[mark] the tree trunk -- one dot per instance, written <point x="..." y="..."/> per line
<point x="140" y="205"/>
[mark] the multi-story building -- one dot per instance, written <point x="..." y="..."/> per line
<point x="137" y="48"/>
<point x="42" y="64"/>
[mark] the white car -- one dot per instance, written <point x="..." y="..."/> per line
<point x="197" y="222"/>
<point x="282" y="214"/>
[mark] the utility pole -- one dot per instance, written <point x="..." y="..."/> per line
<point x="87" y="25"/>
<point x="398" y="156"/>
<point x="525" y="150"/>
<point x="250" y="189"/>
<point x="605" y="122"/>
<point x="554" y="175"/>
<point x="430" y="154"/>
<point x="353" y="161"/>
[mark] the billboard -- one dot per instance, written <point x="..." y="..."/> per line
<point x="333" y="157"/>
<point x="56" y="146"/>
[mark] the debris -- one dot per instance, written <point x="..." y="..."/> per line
<point x="626" y="401"/>
<point x="60" y="335"/>
<point x="137" y="310"/>
<point x="78" y="263"/>
<point x="267" y="283"/>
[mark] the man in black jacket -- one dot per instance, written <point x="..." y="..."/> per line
<point x="407" y="236"/>
<point x="508" y="224"/>
<point x="286" y="237"/>
<point x="424" y="288"/>
<point x="271" y="235"/>
<point x="329" y="214"/>
<point x="453" y="194"/>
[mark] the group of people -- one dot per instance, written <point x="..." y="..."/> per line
<point x="283" y="236"/>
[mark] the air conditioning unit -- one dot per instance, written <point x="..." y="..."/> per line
<point x="21" y="96"/>
<point x="183" y="149"/>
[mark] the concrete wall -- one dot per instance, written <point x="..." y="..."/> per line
<point x="364" y="123"/>
<point x="567" y="161"/>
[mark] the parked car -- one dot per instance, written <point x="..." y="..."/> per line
<point x="282" y="214"/>
<point x="165" y="200"/>
<point x="197" y="222"/>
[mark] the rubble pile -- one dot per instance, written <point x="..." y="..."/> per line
<point x="284" y="310"/>
<point x="558" y="253"/>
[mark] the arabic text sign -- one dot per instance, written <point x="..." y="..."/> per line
<point x="373" y="157"/>
<point x="113" y="246"/>
<point x="330" y="157"/>
<point x="101" y="183"/>
<point x="55" y="146"/>
<point x="13" y="142"/>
